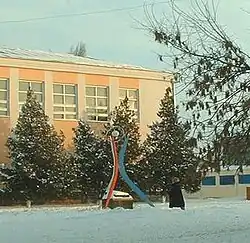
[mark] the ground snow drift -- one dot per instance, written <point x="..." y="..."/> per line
<point x="204" y="221"/>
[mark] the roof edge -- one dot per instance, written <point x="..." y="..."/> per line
<point x="56" y="57"/>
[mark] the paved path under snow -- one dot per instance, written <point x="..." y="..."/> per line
<point x="211" y="221"/>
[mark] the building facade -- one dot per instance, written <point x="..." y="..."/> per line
<point x="226" y="184"/>
<point x="70" y="88"/>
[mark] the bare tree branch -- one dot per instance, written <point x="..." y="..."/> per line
<point x="212" y="67"/>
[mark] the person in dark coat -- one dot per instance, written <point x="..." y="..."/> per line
<point x="176" y="199"/>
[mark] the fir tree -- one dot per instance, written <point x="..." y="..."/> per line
<point x="35" y="150"/>
<point x="102" y="171"/>
<point x="67" y="175"/>
<point x="92" y="158"/>
<point x="168" y="152"/>
<point x="85" y="146"/>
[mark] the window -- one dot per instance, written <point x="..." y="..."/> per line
<point x="65" y="101"/>
<point x="227" y="180"/>
<point x="37" y="88"/>
<point x="4" y="101"/>
<point x="132" y="95"/>
<point x="209" y="181"/>
<point x="244" y="179"/>
<point x="97" y="103"/>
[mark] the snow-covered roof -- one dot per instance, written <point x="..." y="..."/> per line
<point x="18" y="53"/>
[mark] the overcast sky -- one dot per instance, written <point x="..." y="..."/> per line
<point x="112" y="36"/>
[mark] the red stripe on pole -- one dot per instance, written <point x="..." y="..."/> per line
<point x="114" y="178"/>
<point x="113" y="174"/>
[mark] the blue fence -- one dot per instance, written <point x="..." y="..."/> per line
<point x="244" y="179"/>
<point x="209" y="181"/>
<point x="227" y="180"/>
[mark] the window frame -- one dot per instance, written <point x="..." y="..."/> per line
<point x="7" y="101"/>
<point x="64" y="105"/>
<point x="21" y="103"/>
<point x="136" y="110"/>
<point x="96" y="107"/>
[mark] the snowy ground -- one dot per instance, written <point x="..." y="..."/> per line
<point x="204" y="221"/>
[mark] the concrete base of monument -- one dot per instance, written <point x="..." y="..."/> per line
<point x="119" y="199"/>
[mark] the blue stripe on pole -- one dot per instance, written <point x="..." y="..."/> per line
<point x="125" y="177"/>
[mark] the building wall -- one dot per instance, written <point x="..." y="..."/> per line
<point x="235" y="186"/>
<point x="67" y="128"/>
<point x="149" y="98"/>
<point x="150" y="86"/>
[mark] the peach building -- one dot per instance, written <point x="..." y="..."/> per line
<point x="71" y="87"/>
